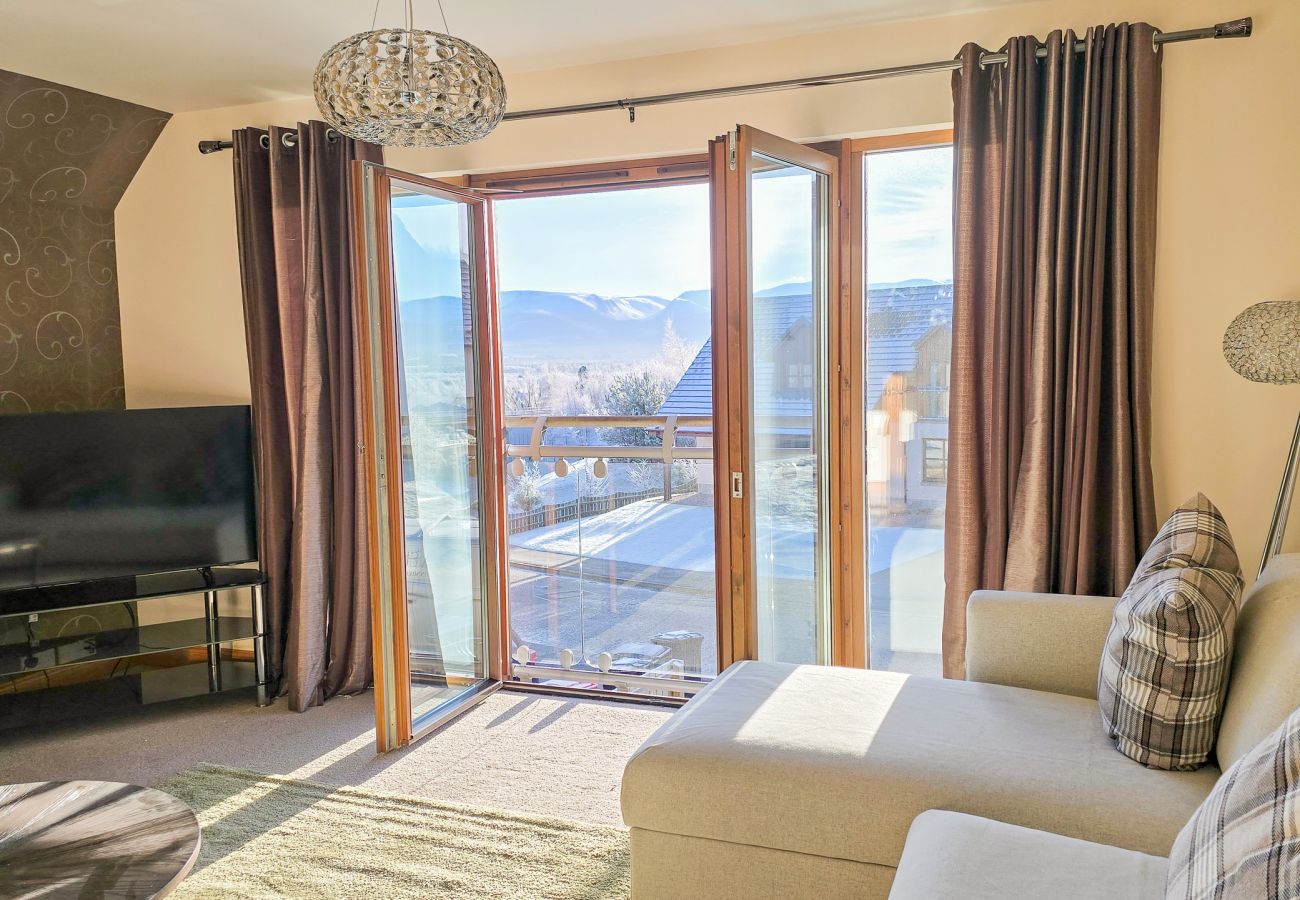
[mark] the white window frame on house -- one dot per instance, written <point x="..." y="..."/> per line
<point x="927" y="473"/>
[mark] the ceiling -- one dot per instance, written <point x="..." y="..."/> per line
<point x="179" y="55"/>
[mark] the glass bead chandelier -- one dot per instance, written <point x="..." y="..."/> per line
<point x="402" y="87"/>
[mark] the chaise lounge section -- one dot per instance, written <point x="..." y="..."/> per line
<point x="783" y="780"/>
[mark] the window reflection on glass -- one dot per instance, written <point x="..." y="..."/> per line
<point x="934" y="463"/>
<point x="444" y="563"/>
<point x="786" y="344"/>
<point x="908" y="265"/>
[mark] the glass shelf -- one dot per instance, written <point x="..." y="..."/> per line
<point x="112" y="590"/>
<point x="120" y="643"/>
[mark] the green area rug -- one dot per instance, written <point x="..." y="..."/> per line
<point x="265" y="836"/>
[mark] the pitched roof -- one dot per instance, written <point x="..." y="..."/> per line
<point x="693" y="393"/>
<point x="897" y="319"/>
<point x="774" y="318"/>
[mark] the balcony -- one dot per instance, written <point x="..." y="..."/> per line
<point x="611" y="556"/>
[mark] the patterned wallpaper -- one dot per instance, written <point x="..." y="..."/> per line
<point x="66" y="158"/>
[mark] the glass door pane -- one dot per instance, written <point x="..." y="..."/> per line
<point x="426" y="270"/>
<point x="440" y="479"/>
<point x="908" y="263"/>
<point x="787" y="352"/>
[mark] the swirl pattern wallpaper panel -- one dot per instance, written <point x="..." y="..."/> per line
<point x="66" y="158"/>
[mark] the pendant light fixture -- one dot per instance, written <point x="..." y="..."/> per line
<point x="403" y="87"/>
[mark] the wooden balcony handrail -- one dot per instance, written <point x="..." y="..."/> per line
<point x="565" y="451"/>
<point x="683" y="422"/>
<point x="665" y="450"/>
<point x="608" y="421"/>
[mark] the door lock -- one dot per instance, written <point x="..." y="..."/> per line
<point x="737" y="485"/>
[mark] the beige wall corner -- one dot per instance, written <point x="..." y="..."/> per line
<point x="180" y="305"/>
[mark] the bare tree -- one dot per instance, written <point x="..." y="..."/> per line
<point x="677" y="351"/>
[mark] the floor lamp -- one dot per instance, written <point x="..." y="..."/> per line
<point x="1263" y="344"/>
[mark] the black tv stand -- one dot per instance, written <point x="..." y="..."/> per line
<point x="211" y="631"/>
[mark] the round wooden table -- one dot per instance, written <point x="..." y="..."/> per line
<point x="93" y="839"/>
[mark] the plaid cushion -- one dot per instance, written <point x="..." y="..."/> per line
<point x="1244" y="840"/>
<point x="1164" y="670"/>
<point x="1195" y="535"/>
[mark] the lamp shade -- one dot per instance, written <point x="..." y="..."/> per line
<point x="1263" y="342"/>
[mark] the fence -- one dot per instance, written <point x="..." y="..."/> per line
<point x="556" y="513"/>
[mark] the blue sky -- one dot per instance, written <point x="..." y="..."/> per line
<point x="427" y="253"/>
<point x="909" y="214"/>
<point x="655" y="241"/>
<point x="616" y="243"/>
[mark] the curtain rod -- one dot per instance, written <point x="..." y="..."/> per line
<point x="1237" y="28"/>
<point x="289" y="139"/>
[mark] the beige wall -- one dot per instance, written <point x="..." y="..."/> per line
<point x="1229" y="207"/>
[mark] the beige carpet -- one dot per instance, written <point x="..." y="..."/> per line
<point x="266" y="836"/>
<point x="537" y="755"/>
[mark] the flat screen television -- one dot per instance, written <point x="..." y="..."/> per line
<point x="86" y="496"/>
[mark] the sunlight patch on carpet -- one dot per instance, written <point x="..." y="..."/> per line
<point x="268" y="836"/>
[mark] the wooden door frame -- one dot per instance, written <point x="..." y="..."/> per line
<point x="590" y="178"/>
<point x="730" y="325"/>
<point x="378" y="352"/>
<point x="849" y="605"/>
<point x="556" y="181"/>
<point x="731" y="167"/>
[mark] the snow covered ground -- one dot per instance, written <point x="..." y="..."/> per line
<point x="648" y="533"/>
<point x="626" y="575"/>
<point x="678" y="536"/>
<point x="905" y="567"/>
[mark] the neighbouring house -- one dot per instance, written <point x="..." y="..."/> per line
<point x="909" y="340"/>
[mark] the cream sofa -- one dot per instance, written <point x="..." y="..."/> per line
<point x="802" y="781"/>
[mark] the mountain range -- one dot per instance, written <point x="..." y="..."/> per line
<point x="556" y="327"/>
<point x="548" y="326"/>
<point x="562" y="327"/>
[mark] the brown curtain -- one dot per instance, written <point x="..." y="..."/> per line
<point x="1049" y="483"/>
<point x="294" y="210"/>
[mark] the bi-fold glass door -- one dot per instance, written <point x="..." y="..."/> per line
<point x="430" y="399"/>
<point x="435" y="429"/>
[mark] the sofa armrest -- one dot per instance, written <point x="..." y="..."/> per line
<point x="1045" y="642"/>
